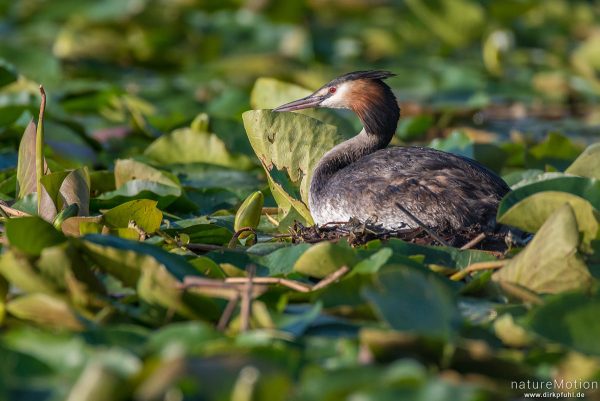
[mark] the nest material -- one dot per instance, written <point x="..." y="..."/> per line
<point x="359" y="233"/>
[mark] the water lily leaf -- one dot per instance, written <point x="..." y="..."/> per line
<point x="75" y="190"/>
<point x="73" y="225"/>
<point x="204" y="233"/>
<point x="26" y="179"/>
<point x="191" y="336"/>
<point x="373" y="262"/>
<point x="556" y="150"/>
<point x="152" y="271"/>
<point x="143" y="212"/>
<point x="138" y="189"/>
<point x="124" y="258"/>
<point x="45" y="310"/>
<point x="194" y="145"/>
<point x="159" y="287"/>
<point x="586" y="188"/>
<point x="414" y="300"/>
<point x="588" y="163"/>
<point x="64" y="267"/>
<point x="550" y="263"/>
<point x="65" y="188"/>
<point x="282" y="260"/>
<point x="279" y="142"/>
<point x="530" y="213"/>
<point x="269" y="93"/>
<point x="569" y="319"/>
<point x="324" y="258"/>
<point x="436" y="255"/>
<point x="32" y="234"/>
<point x="129" y="169"/>
<point x="21" y="273"/>
<point x="52" y="183"/>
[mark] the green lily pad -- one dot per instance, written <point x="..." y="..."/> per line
<point x="279" y="141"/>
<point x="129" y="169"/>
<point x="45" y="310"/>
<point x="269" y="93"/>
<point x="586" y="188"/>
<point x="569" y="319"/>
<point x="32" y="234"/>
<point x="414" y="300"/>
<point x="138" y="189"/>
<point x="324" y="258"/>
<point x="588" y="163"/>
<point x="551" y="262"/>
<point x="531" y="213"/>
<point x="143" y="212"/>
<point x="192" y="145"/>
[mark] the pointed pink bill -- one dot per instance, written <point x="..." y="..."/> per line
<point x="304" y="103"/>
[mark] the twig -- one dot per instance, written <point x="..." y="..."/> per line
<point x="294" y="285"/>
<point x="336" y="275"/>
<point x="271" y="219"/>
<point x="473" y="242"/>
<point x="423" y="226"/>
<point x="494" y="264"/>
<point x="246" y="307"/>
<point x="228" y="312"/>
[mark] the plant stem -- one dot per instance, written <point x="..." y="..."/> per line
<point x="39" y="150"/>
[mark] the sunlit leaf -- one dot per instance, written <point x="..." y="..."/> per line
<point x="129" y="169"/>
<point x="324" y="258"/>
<point x="142" y="212"/>
<point x="192" y="145"/>
<point x="551" y="262"/>
<point x="530" y="213"/>
<point x="586" y="188"/>
<point x="588" y="163"/>
<point x="45" y="310"/>
<point x="279" y="142"/>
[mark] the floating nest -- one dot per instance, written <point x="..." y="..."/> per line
<point x="359" y="233"/>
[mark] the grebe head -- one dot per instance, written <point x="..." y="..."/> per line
<point x="355" y="91"/>
<point x="363" y="92"/>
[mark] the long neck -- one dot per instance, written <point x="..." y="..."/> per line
<point x="377" y="109"/>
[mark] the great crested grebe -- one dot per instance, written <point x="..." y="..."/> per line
<point x="362" y="179"/>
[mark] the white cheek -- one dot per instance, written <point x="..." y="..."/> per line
<point x="337" y="100"/>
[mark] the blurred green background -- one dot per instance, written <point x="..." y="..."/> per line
<point x="165" y="61"/>
<point x="513" y="83"/>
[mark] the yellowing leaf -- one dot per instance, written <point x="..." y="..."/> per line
<point x="191" y="145"/>
<point x="293" y="143"/>
<point x="551" y="262"/>
<point x="588" y="163"/>
<point x="143" y="212"/>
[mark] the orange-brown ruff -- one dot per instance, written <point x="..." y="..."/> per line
<point x="361" y="178"/>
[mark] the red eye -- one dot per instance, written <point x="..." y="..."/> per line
<point x="332" y="89"/>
